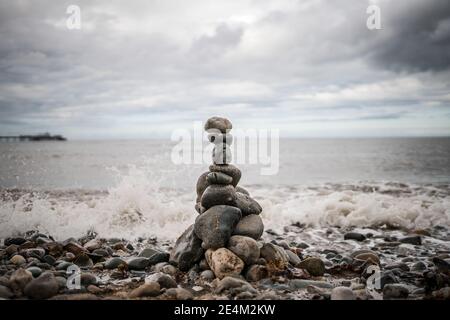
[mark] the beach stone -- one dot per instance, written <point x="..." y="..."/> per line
<point x="221" y="154"/>
<point x="294" y="259"/>
<point x="242" y="190"/>
<point x="55" y="249"/>
<point x="245" y="248"/>
<point x="207" y="275"/>
<point x="419" y="266"/>
<point x="62" y="282"/>
<point x="148" y="289"/>
<point x="101" y="252"/>
<point x="15" y="240"/>
<point x="43" y="287"/>
<point x="215" y="226"/>
<point x="113" y="263"/>
<point x="297" y="284"/>
<point x="441" y="265"/>
<point x="313" y="265"/>
<point x="11" y="249"/>
<point x="35" y="271"/>
<point x="147" y="252"/>
<point x="388" y="277"/>
<point x="92" y="245"/>
<point x="256" y="272"/>
<point x="158" y="258"/>
<point x="83" y="261"/>
<point x="229" y="170"/>
<point x="5" y="292"/>
<point x="19" y="279"/>
<point x="342" y="293"/>
<point x="93" y="289"/>
<point x="218" y="123"/>
<point x="250" y="226"/>
<point x="247" y="204"/>
<point x="395" y="291"/>
<point x="169" y="269"/>
<point x="18" y="260"/>
<point x="354" y="236"/>
<point x="49" y="259"/>
<point x="138" y="263"/>
<point x="275" y="256"/>
<point x="187" y="250"/>
<point x="202" y="184"/>
<point x="220" y="138"/>
<point x="235" y="284"/>
<point x="414" y="240"/>
<point x="224" y="263"/>
<point x="88" y="278"/>
<point x="179" y="294"/>
<point x="164" y="280"/>
<point x="218" y="178"/>
<point x="34" y="253"/>
<point x="63" y="265"/>
<point x="217" y="194"/>
<point x="368" y="257"/>
<point x="74" y="248"/>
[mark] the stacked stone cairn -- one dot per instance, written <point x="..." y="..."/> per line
<point x="225" y="237"/>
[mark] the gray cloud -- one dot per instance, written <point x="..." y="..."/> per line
<point x="145" y="68"/>
<point x="418" y="36"/>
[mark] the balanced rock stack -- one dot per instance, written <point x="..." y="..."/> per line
<point x="224" y="237"/>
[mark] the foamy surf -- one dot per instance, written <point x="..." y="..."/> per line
<point x="138" y="207"/>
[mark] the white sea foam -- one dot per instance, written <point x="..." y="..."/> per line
<point x="354" y="208"/>
<point x="139" y="207"/>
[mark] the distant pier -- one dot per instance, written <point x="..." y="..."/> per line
<point x="37" y="137"/>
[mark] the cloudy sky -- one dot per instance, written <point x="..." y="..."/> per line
<point x="140" y="69"/>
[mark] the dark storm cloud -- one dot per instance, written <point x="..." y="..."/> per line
<point x="418" y="36"/>
<point x="140" y="68"/>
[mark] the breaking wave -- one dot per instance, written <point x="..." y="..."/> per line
<point x="139" y="207"/>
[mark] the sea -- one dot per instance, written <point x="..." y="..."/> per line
<point x="134" y="188"/>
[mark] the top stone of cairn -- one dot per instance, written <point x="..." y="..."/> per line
<point x="218" y="123"/>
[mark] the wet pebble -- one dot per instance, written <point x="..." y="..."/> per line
<point x="35" y="271"/>
<point x="138" y="263"/>
<point x="113" y="263"/>
<point x="148" y="289"/>
<point x="18" y="260"/>
<point x="43" y="287"/>
<point x="313" y="265"/>
<point x="354" y="236"/>
<point x="342" y="293"/>
<point x="395" y="291"/>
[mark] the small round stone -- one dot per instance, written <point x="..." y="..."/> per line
<point x="250" y="226"/>
<point x="43" y="287"/>
<point x="35" y="271"/>
<point x="313" y="265"/>
<point x="218" y="123"/>
<point x="18" y="260"/>
<point x="342" y="293"/>
<point x="247" y="204"/>
<point x="218" y="178"/>
<point x="149" y="289"/>
<point x="228" y="169"/>
<point x="218" y="195"/>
